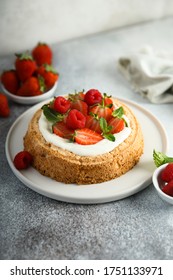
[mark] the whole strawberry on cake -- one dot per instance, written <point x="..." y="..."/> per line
<point x="84" y="138"/>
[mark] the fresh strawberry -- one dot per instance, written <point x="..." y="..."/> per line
<point x="167" y="173"/>
<point x="62" y="130"/>
<point x="22" y="160"/>
<point x="25" y="66"/>
<point x="80" y="106"/>
<point x="61" y="105"/>
<point x="168" y="188"/>
<point x="31" y="87"/>
<point x="75" y="119"/>
<point x="4" y="106"/>
<point x="92" y="97"/>
<point x="42" y="53"/>
<point x="107" y="101"/>
<point x="10" y="81"/>
<point x="86" y="136"/>
<point x="49" y="74"/>
<point x="102" y="111"/>
<point x="117" y="125"/>
<point x="92" y="122"/>
<point x="78" y="95"/>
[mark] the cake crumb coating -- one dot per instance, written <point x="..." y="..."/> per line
<point x="67" y="167"/>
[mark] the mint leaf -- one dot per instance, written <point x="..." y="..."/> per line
<point x="118" y="113"/>
<point x="51" y="115"/>
<point x="106" y="129"/>
<point x="160" y="158"/>
<point x="103" y="125"/>
<point x="110" y="137"/>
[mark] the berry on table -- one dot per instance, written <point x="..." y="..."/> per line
<point x="22" y="160"/>
<point x="4" y="106"/>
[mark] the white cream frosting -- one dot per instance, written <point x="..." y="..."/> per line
<point x="101" y="147"/>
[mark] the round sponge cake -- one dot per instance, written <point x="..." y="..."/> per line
<point x="65" y="166"/>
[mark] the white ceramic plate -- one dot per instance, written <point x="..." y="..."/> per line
<point x="28" y="100"/>
<point x="128" y="184"/>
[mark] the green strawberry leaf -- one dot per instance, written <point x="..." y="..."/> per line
<point x="24" y="56"/>
<point x="50" y="68"/>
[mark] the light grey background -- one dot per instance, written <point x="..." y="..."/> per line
<point x="23" y="23"/>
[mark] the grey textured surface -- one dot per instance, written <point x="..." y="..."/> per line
<point x="138" y="227"/>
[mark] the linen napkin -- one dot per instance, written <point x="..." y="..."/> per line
<point x="150" y="73"/>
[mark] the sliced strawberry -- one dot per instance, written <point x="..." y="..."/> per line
<point x="75" y="119"/>
<point x="117" y="125"/>
<point x="101" y="111"/>
<point x="62" y="130"/>
<point x="86" y="136"/>
<point x="168" y="188"/>
<point x="80" y="106"/>
<point x="167" y="173"/>
<point x="92" y="122"/>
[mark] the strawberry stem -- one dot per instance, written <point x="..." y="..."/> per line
<point x="50" y="68"/>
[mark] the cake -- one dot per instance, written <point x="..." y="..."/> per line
<point x="61" y="149"/>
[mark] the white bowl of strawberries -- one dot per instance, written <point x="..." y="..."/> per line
<point x="33" y="78"/>
<point x="163" y="176"/>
